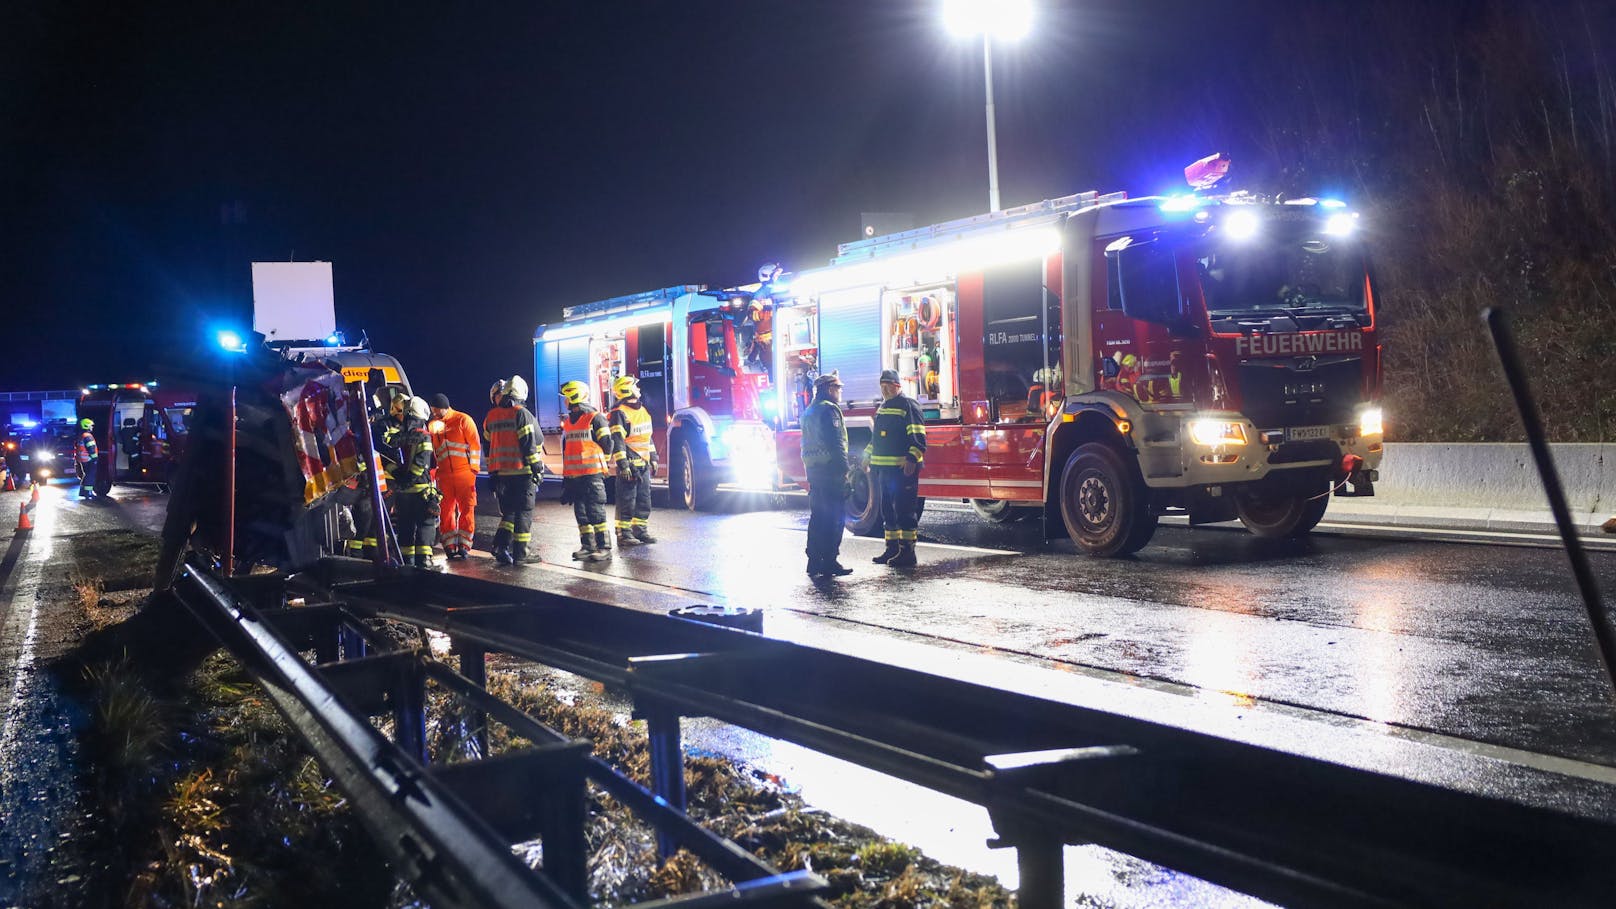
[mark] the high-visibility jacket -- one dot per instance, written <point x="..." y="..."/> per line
<point x="824" y="436"/>
<point x="457" y="446"/>
<point x="85" y="450"/>
<point x="631" y="431"/>
<point x="414" y="471"/>
<point x="586" y="440"/>
<point x="514" y="446"/>
<point x="899" y="432"/>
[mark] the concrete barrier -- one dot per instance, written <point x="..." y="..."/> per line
<point x="1484" y="486"/>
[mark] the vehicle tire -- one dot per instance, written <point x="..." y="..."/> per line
<point x="1280" y="516"/>
<point x="995" y="511"/>
<point x="103" y="479"/>
<point x="682" y="476"/>
<point x="863" y="503"/>
<point x="1103" y="502"/>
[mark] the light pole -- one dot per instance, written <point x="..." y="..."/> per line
<point x="1005" y="19"/>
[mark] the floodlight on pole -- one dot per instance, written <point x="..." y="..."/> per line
<point x="1007" y="20"/>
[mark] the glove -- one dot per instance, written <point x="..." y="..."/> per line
<point x="625" y="471"/>
<point x="537" y="476"/>
<point x="910" y="467"/>
<point x="650" y="469"/>
<point x="566" y="494"/>
<point x="864" y="458"/>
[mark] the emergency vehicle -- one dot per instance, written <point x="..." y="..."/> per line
<point x="703" y="370"/>
<point x="1109" y="360"/>
<point x="140" y="430"/>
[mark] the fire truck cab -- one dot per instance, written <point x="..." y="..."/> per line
<point x="1107" y="360"/>
<point x="140" y="430"/>
<point x="703" y="371"/>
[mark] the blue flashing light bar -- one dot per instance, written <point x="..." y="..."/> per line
<point x="231" y="341"/>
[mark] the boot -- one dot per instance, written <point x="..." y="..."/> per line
<point x="816" y="568"/>
<point x="603" y="549"/>
<point x="503" y="556"/>
<point x="626" y="538"/>
<point x="586" y="548"/>
<point x="643" y="534"/>
<point x="836" y="569"/>
<point x="888" y="553"/>
<point x="519" y="553"/>
<point x="905" y="557"/>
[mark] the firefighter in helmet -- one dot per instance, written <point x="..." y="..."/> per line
<point x="897" y="450"/>
<point x="86" y="457"/>
<point x="587" y="447"/>
<point x="515" y="452"/>
<point x="824" y="460"/>
<point x="415" y="496"/>
<point x="635" y="456"/>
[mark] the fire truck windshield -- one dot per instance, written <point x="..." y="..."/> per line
<point x="1293" y="269"/>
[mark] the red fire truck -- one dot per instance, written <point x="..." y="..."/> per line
<point x="1101" y="360"/>
<point x="140" y="430"/>
<point x="715" y="418"/>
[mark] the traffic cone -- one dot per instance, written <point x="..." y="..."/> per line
<point x="11" y="485"/>
<point x="34" y="499"/>
<point x="25" y="521"/>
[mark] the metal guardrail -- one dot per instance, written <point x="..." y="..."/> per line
<point x="447" y="829"/>
<point x="1282" y="827"/>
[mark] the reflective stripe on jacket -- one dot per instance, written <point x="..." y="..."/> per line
<point x="631" y="425"/>
<point x="86" y="448"/>
<point x="900" y="432"/>
<point x="514" y="446"/>
<point x="458" y="447"/>
<point x="585" y="441"/>
<point x="414" y="472"/>
<point x="824" y="436"/>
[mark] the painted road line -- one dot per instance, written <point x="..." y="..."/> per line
<point x="21" y="597"/>
<point x="1430" y="534"/>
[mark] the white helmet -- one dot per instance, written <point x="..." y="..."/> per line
<point x="514" y="388"/>
<point x="418" y="409"/>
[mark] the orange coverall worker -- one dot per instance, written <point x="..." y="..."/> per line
<point x="459" y="451"/>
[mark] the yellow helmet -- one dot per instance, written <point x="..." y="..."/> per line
<point x="575" y="393"/>
<point x="626" y="387"/>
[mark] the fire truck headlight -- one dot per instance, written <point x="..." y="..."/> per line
<point x="1340" y="224"/>
<point x="1241" y="225"/>
<point x="1217" y="433"/>
<point x="1370" y="422"/>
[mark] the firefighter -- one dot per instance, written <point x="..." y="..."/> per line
<point x="824" y="460"/>
<point x="459" y="453"/>
<point x="587" y="446"/>
<point x="85" y="455"/>
<point x="515" y="450"/>
<point x="415" y="498"/>
<point x="897" y="449"/>
<point x="635" y="457"/>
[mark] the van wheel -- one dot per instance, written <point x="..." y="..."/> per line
<point x="863" y="503"/>
<point x="1278" y="516"/>
<point x="1103" y="503"/>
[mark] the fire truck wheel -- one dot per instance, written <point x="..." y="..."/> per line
<point x="1276" y="516"/>
<point x="1103" y="506"/>
<point x="994" y="511"/>
<point x="690" y="477"/>
<point x="863" y="503"/>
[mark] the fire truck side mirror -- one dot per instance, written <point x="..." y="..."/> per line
<point x="1147" y="282"/>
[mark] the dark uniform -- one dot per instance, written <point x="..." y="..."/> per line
<point x="514" y="454"/>
<point x="635" y="457"/>
<point x="899" y="439"/>
<point x="587" y="446"/>
<point x="824" y="459"/>
<point x="87" y="456"/>
<point x="415" y="498"/>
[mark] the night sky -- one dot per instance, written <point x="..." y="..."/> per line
<point x="471" y="168"/>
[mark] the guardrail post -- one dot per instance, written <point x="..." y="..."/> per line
<point x="1040" y="860"/>
<point x="351" y="641"/>
<point x="474" y="666"/>
<point x="409" y="713"/>
<point x="667" y="766"/>
<point x="566" y="849"/>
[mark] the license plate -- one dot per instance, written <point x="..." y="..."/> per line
<point x="1301" y="433"/>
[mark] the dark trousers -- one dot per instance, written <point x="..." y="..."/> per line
<point x="515" y="495"/>
<point x="415" y="517"/>
<point x="589" y="506"/>
<point x="900" y="503"/>
<point x="634" y="501"/>
<point x="827" y="513"/>
<point x="87" y="481"/>
<point x="363" y="544"/>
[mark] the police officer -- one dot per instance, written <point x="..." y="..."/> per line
<point x="635" y="457"/>
<point x="84" y="452"/>
<point x="515" y="451"/>
<point x="824" y="459"/>
<point x="587" y="446"/>
<point x="897" y="449"/>
<point x="415" y="496"/>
